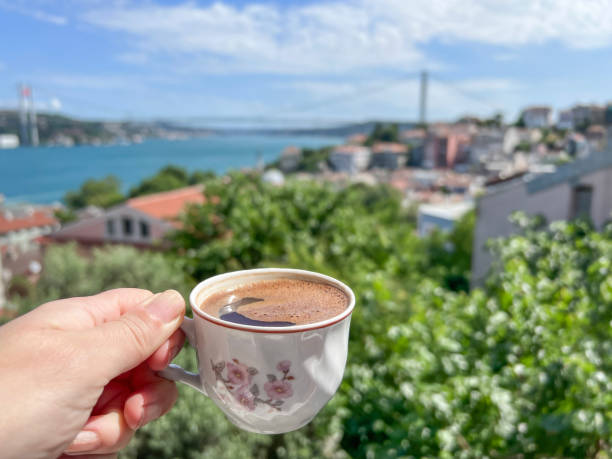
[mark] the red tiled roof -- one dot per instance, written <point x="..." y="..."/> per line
<point x="538" y="109"/>
<point x="357" y="139"/>
<point x="389" y="147"/>
<point x="37" y="218"/>
<point x="291" y="150"/>
<point x="350" y="149"/>
<point x="413" y="134"/>
<point x="167" y="205"/>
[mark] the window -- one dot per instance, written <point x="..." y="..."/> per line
<point x="144" y="229"/>
<point x="127" y="226"/>
<point x="583" y="195"/>
<point x="110" y="227"/>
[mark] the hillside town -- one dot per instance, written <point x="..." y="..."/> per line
<point x="557" y="169"/>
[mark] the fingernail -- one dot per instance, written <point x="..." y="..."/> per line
<point x="151" y="412"/>
<point x="140" y="421"/>
<point x="174" y="352"/>
<point x="166" y="306"/>
<point x="86" y="440"/>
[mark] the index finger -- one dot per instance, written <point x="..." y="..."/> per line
<point x="88" y="311"/>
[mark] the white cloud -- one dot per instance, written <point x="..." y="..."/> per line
<point x="339" y="37"/>
<point x="28" y="10"/>
<point x="55" y="104"/>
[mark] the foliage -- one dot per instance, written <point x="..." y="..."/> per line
<point x="170" y="178"/>
<point x="105" y="192"/>
<point x="450" y="254"/>
<point x="496" y="121"/>
<point x="312" y="158"/>
<point x="523" y="145"/>
<point x="520" y="368"/>
<point x="201" y="177"/>
<point x="383" y="133"/>
<point x="19" y="286"/>
<point x="68" y="273"/>
<point x="65" y="215"/>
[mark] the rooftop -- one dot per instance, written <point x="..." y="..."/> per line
<point x="447" y="210"/>
<point x="537" y="108"/>
<point x="169" y="204"/>
<point x="291" y="150"/>
<point x="357" y="139"/>
<point x="389" y="147"/>
<point x="412" y="134"/>
<point x="568" y="172"/>
<point x="351" y="149"/>
<point x="32" y="219"/>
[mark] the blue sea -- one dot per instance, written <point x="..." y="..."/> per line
<point x="44" y="174"/>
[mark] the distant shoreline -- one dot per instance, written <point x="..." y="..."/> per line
<point x="42" y="175"/>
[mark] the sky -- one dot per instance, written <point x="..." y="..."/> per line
<point x="308" y="61"/>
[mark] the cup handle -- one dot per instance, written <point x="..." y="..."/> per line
<point x="175" y="372"/>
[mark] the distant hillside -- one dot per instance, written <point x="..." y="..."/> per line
<point x="54" y="129"/>
<point x="334" y="131"/>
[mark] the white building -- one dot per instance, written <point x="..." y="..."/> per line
<point x="21" y="226"/>
<point x="290" y="158"/>
<point x="486" y="144"/>
<point x="588" y="114"/>
<point x="537" y="117"/>
<point x="582" y="188"/>
<point x="350" y="158"/>
<point x="513" y="136"/>
<point x="566" y="120"/>
<point x="21" y="229"/>
<point x="441" y="216"/>
<point x="8" y="141"/>
<point x="389" y="155"/>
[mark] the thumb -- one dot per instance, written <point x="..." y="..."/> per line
<point x="123" y="344"/>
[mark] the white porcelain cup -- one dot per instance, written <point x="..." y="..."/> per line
<point x="265" y="379"/>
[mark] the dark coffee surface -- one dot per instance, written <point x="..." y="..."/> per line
<point x="284" y="302"/>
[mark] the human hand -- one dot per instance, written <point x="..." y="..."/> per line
<point x="77" y="376"/>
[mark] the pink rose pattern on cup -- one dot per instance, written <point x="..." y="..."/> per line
<point x="238" y="381"/>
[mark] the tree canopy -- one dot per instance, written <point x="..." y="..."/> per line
<point x="519" y="368"/>
<point x="105" y="192"/>
<point x="383" y="133"/>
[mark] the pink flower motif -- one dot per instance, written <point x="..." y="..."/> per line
<point x="244" y="396"/>
<point x="278" y="390"/>
<point x="283" y="366"/>
<point x="238" y="374"/>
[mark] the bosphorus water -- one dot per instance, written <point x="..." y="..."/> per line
<point x="44" y="174"/>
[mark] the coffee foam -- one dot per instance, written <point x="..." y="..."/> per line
<point x="293" y="301"/>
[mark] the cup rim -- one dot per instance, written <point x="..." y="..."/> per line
<point x="262" y="329"/>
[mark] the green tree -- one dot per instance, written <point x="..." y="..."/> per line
<point x="65" y="215"/>
<point x="168" y="178"/>
<point x="201" y="177"/>
<point x="519" y="368"/>
<point x="105" y="192"/>
<point x="383" y="133"/>
<point x="67" y="273"/>
<point x="524" y="146"/>
<point x="312" y="158"/>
